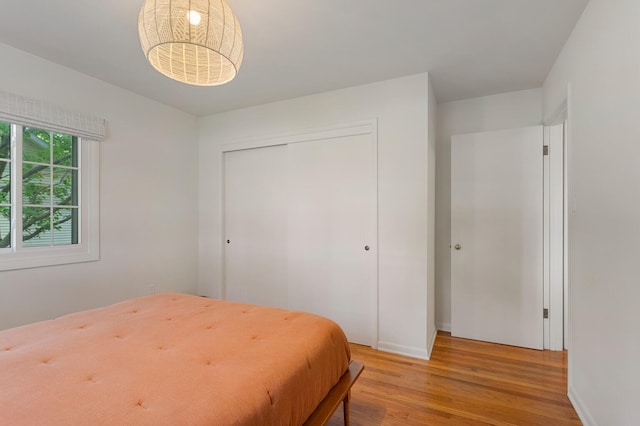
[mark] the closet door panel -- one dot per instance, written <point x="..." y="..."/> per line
<point x="255" y="206"/>
<point x="331" y="221"/>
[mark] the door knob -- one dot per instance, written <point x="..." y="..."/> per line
<point x="366" y="248"/>
<point x="457" y="246"/>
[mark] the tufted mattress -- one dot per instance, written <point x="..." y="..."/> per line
<point x="170" y="359"/>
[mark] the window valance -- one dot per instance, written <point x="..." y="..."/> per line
<point x="43" y="115"/>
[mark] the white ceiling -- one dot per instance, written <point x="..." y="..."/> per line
<point x="300" y="47"/>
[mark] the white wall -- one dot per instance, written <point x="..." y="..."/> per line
<point x="148" y="198"/>
<point x="401" y="107"/>
<point x="601" y="63"/>
<point x="504" y="111"/>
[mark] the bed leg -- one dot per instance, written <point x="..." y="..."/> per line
<point x="346" y="405"/>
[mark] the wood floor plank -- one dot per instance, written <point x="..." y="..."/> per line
<point x="466" y="382"/>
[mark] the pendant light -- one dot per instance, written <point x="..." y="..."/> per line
<point x="196" y="42"/>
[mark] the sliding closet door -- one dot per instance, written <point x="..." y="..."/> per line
<point x="255" y="206"/>
<point x="332" y="232"/>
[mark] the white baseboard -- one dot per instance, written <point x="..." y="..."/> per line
<point x="581" y="409"/>
<point x="444" y="326"/>
<point x="403" y="350"/>
<point x="432" y="341"/>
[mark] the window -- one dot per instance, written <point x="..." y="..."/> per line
<point x="48" y="183"/>
<point x="48" y="198"/>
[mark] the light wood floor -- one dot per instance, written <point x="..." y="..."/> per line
<point x="466" y="382"/>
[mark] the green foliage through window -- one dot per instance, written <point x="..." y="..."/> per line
<point x="49" y="194"/>
<point x="5" y="184"/>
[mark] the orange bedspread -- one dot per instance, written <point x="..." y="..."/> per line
<point x="170" y="359"/>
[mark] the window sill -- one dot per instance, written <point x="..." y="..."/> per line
<point x="36" y="258"/>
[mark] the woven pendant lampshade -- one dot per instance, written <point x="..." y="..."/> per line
<point x="197" y="42"/>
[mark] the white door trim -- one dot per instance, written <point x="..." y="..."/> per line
<point x="560" y="116"/>
<point x="554" y="237"/>
<point x="349" y="129"/>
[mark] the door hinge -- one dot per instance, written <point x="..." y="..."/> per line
<point x="545" y="313"/>
<point x="545" y="150"/>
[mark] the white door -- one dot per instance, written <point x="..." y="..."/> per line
<point x="497" y="236"/>
<point x="332" y="253"/>
<point x="255" y="211"/>
<point x="300" y="229"/>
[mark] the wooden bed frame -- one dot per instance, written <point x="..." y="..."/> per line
<point x="341" y="392"/>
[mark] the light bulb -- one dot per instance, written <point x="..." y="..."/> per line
<point x="194" y="17"/>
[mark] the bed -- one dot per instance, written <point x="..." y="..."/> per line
<point x="176" y="359"/>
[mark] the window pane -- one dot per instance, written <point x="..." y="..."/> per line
<point x="5" y="140"/>
<point x="36" y="223"/>
<point x="5" y="182"/>
<point x="65" y="150"/>
<point x="5" y="226"/>
<point x="65" y="226"/>
<point x="35" y="145"/>
<point x="65" y="186"/>
<point x="36" y="184"/>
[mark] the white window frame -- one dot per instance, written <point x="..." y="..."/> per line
<point x="88" y="247"/>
